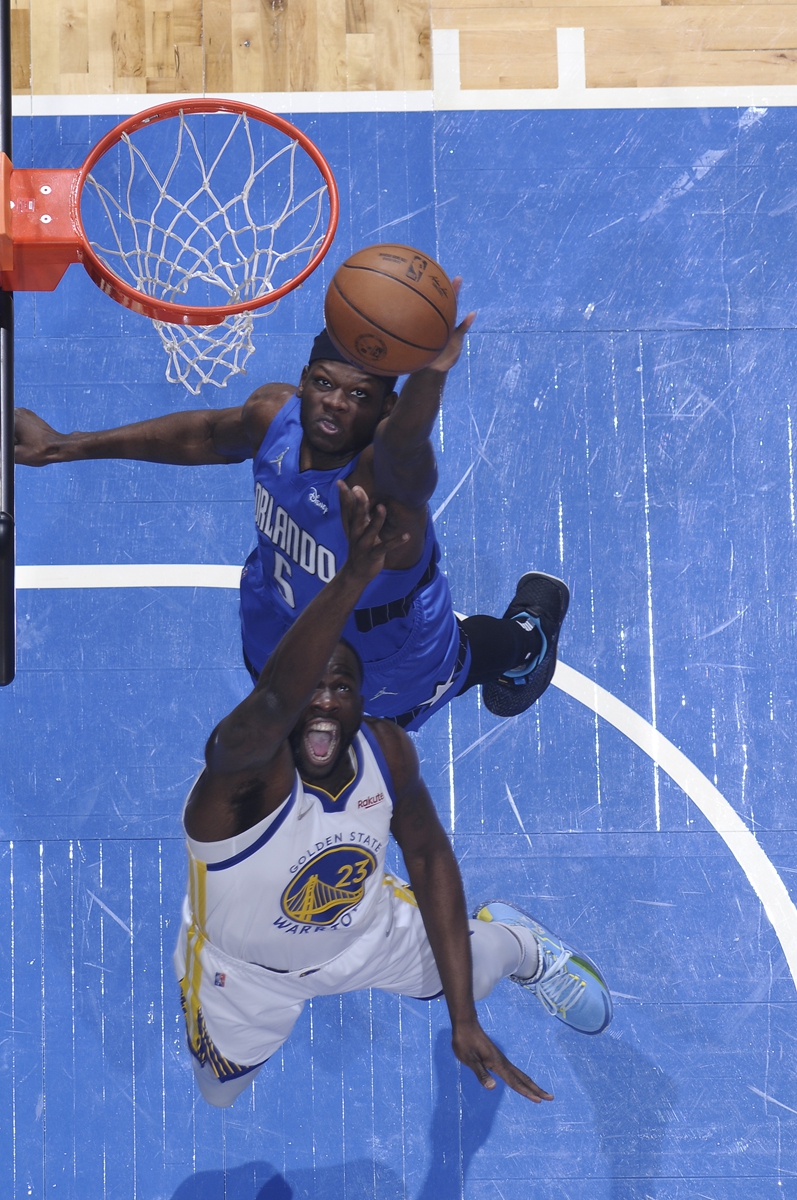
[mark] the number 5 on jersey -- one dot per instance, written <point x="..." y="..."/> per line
<point x="282" y="573"/>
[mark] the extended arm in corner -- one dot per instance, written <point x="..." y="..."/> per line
<point x="437" y="885"/>
<point x="405" y="470"/>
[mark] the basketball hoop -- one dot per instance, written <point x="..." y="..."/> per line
<point x="195" y="213"/>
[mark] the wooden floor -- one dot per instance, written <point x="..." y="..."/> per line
<point x="157" y="46"/>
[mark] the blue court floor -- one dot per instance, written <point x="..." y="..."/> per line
<point x="624" y="417"/>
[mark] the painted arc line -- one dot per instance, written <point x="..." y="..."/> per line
<point x="129" y="575"/>
<point x="760" y="872"/>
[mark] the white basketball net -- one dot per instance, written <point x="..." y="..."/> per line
<point x="231" y="235"/>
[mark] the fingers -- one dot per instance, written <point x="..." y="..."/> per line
<point x="512" y="1077"/>
<point x="355" y="506"/>
<point x="520" y="1082"/>
<point x="483" y="1057"/>
<point x="363" y="523"/>
<point x="376" y="519"/>
<point x="483" y="1075"/>
<point x="398" y="539"/>
<point x="353" y="503"/>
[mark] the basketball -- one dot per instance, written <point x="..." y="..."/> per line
<point x="390" y="309"/>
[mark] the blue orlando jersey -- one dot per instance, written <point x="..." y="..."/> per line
<point x="404" y="627"/>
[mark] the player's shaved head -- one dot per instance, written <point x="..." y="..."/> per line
<point x="324" y="348"/>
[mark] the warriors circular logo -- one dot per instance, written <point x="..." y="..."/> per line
<point x="330" y="885"/>
<point x="369" y="346"/>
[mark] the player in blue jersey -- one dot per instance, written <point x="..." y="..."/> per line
<point x="341" y="423"/>
<point x="288" y="896"/>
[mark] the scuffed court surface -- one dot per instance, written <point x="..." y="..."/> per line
<point x="624" y="418"/>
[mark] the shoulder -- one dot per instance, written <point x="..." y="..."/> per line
<point x="222" y="805"/>
<point x="399" y="752"/>
<point x="262" y="407"/>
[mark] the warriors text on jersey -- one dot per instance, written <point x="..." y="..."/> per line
<point x="297" y="906"/>
<point x="404" y="629"/>
<point x="297" y="889"/>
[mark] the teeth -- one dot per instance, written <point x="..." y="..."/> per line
<point x="321" y="739"/>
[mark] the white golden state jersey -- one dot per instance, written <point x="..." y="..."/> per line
<point x="302" y="885"/>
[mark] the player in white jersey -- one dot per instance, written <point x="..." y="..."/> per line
<point x="288" y="895"/>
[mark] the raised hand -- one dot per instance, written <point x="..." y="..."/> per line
<point x="450" y="353"/>
<point x="474" y="1049"/>
<point x="367" y="549"/>
<point x="36" y="443"/>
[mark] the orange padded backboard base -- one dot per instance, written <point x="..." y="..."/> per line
<point x="38" y="230"/>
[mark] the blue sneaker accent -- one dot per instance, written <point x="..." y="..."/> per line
<point x="568" y="984"/>
<point x="542" y="599"/>
<point x="521" y="674"/>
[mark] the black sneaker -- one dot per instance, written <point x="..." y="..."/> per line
<point x="541" y="602"/>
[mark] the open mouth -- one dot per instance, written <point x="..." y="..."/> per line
<point x="330" y="428"/>
<point x="321" y="740"/>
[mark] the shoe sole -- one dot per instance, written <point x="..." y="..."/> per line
<point x="559" y="584"/>
<point x="509" y="700"/>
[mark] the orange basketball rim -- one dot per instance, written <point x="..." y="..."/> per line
<point x="42" y="231"/>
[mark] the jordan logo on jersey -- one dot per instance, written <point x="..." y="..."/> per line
<point x="278" y="460"/>
<point x="282" y="530"/>
<point x="329" y="886"/>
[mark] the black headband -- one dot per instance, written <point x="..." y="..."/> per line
<point x="324" y="347"/>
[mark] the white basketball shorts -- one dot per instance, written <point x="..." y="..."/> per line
<point x="248" y="1011"/>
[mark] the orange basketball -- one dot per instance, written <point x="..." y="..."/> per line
<point x="390" y="309"/>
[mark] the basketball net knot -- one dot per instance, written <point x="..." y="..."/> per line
<point x="200" y="354"/>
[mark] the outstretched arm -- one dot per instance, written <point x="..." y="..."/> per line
<point x="191" y="438"/>
<point x="248" y="738"/>
<point x="437" y="884"/>
<point x="249" y="766"/>
<point x="404" y="462"/>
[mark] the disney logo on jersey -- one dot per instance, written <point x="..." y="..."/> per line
<point x="329" y="886"/>
<point x="299" y="545"/>
<point x="315" y="499"/>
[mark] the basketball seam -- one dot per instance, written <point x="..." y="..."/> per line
<point x="385" y="275"/>
<point x="381" y="328"/>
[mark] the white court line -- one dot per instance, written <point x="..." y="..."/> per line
<point x="129" y="575"/>
<point x="572" y="91"/>
<point x="760" y="872"/>
<point x="447" y="93"/>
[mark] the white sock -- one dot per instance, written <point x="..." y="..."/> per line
<point x="495" y="954"/>
<point x="529" y="964"/>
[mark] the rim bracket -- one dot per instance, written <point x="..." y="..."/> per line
<point x="39" y="234"/>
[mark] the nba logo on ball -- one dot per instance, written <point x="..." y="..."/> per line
<point x="370" y="348"/>
<point x="417" y="267"/>
<point x="390" y="309"/>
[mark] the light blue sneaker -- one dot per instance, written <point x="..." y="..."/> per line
<point x="567" y="984"/>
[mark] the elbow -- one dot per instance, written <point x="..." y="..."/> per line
<point x="214" y="752"/>
<point x="222" y="755"/>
